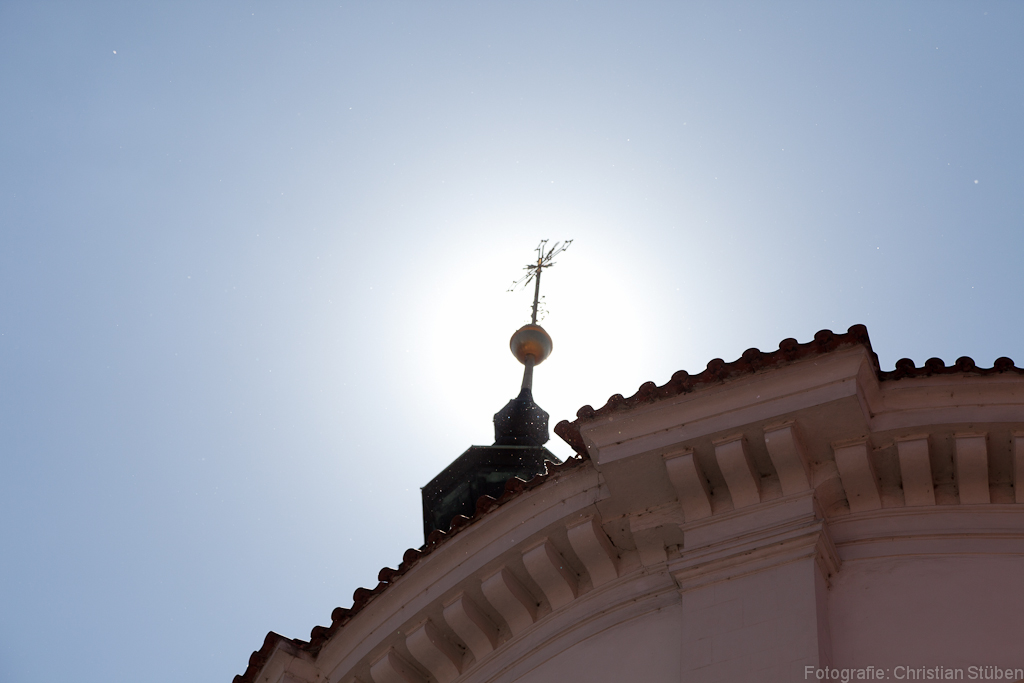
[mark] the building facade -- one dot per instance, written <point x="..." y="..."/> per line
<point x="794" y="515"/>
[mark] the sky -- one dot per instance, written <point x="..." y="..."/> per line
<point x="254" y="262"/>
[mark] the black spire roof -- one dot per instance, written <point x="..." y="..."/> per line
<point x="520" y="432"/>
<point x="521" y="422"/>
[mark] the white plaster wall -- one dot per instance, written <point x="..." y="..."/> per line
<point x="954" y="611"/>
<point x="643" y="649"/>
<point x="760" y="627"/>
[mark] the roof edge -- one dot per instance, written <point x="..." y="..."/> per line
<point x="754" y="360"/>
<point x="340" y="616"/>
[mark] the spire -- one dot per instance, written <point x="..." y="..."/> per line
<point x="522" y="422"/>
<point x="520" y="428"/>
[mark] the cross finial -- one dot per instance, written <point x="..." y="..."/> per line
<point x="534" y="270"/>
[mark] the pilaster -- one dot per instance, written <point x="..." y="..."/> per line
<point x="754" y="605"/>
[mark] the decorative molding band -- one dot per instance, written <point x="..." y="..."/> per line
<point x="551" y="572"/>
<point x="512" y="601"/>
<point x="789" y="456"/>
<point x="972" y="468"/>
<point x="391" y="668"/>
<point x="592" y="546"/>
<point x="741" y="476"/>
<point x="435" y="652"/>
<point x="690" y="484"/>
<point x="858" y="475"/>
<point x="470" y="624"/>
<point x="916" y="470"/>
<point x="731" y="560"/>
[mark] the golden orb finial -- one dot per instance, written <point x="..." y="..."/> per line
<point x="531" y="340"/>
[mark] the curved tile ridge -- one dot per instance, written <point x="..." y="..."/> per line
<point x="718" y="371"/>
<point x="755" y="360"/>
<point x="362" y="596"/>
<point x="936" y="366"/>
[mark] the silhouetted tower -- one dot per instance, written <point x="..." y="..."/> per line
<point x="520" y="428"/>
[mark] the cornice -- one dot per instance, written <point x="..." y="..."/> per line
<point x="754" y="361"/>
<point x="752" y="543"/>
<point x="936" y="530"/>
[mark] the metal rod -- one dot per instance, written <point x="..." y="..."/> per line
<point x="536" y="292"/>
<point x="528" y="373"/>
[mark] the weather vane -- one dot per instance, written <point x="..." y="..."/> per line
<point x="531" y="343"/>
<point x="534" y="270"/>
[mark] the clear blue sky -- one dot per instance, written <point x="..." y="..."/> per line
<point x="253" y="261"/>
